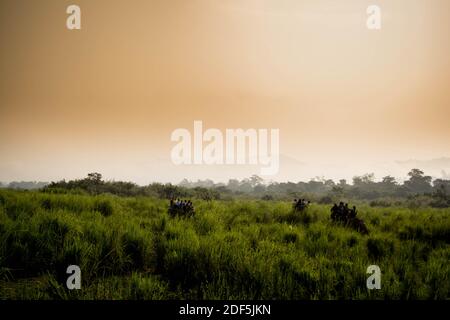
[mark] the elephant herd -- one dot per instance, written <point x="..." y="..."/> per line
<point x="340" y="214"/>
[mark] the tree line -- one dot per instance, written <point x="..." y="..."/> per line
<point x="418" y="187"/>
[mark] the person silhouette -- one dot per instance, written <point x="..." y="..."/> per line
<point x="334" y="212"/>
<point x="353" y="212"/>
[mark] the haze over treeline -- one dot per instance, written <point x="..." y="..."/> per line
<point x="418" y="186"/>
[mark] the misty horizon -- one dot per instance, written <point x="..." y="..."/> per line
<point x="435" y="172"/>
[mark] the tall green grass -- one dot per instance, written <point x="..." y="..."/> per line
<point x="129" y="248"/>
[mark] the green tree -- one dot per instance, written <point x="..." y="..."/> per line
<point x="388" y="181"/>
<point x="94" y="177"/>
<point x="368" y="178"/>
<point x="256" y="180"/>
<point x="418" y="182"/>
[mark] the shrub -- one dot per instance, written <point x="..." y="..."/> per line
<point x="379" y="248"/>
<point x="147" y="288"/>
<point x="137" y="247"/>
<point x="290" y="237"/>
<point x="326" y="200"/>
<point x="105" y="207"/>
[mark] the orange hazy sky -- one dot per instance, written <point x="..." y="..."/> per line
<point x="106" y="98"/>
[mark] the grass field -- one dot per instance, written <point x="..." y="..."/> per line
<point x="129" y="248"/>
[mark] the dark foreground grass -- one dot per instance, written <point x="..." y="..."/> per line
<point x="129" y="248"/>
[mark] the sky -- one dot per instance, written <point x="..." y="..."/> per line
<point x="106" y="98"/>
